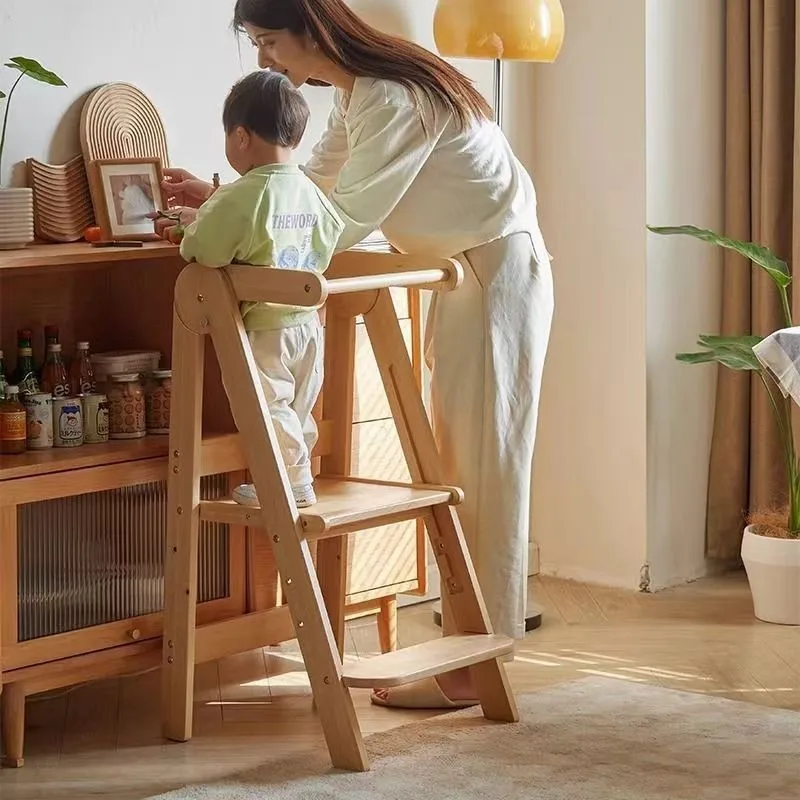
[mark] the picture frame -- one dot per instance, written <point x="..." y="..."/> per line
<point x="124" y="191"/>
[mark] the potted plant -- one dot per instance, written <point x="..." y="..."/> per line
<point x="771" y="543"/>
<point x="16" y="205"/>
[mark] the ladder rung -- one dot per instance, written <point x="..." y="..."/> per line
<point x="342" y="505"/>
<point x="426" y="660"/>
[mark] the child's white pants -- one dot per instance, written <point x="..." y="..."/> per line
<point x="290" y="363"/>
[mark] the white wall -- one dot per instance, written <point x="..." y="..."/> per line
<point x="182" y="54"/>
<point x="685" y="171"/>
<point x="590" y="499"/>
<point x="628" y="131"/>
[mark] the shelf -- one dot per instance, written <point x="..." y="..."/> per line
<point x="41" y="254"/>
<point x="220" y="453"/>
<point x="36" y="256"/>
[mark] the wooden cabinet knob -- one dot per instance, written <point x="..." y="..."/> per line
<point x="135" y="634"/>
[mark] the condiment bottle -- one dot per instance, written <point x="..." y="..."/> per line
<point x="55" y="380"/>
<point x="82" y="377"/>
<point x="25" y="375"/>
<point x="12" y="423"/>
<point x="50" y="337"/>
<point x="3" y="379"/>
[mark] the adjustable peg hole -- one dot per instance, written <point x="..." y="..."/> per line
<point x="170" y="660"/>
<point x="326" y="680"/>
<point x="174" y="549"/>
<point x="200" y="299"/>
<point x="176" y="453"/>
<point x="180" y="510"/>
<point x="276" y="539"/>
<point x="300" y="624"/>
<point x="176" y="469"/>
<point x="288" y="581"/>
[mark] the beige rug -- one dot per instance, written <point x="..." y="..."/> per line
<point x="593" y="739"/>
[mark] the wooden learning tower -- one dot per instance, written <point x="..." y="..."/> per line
<point x="357" y="283"/>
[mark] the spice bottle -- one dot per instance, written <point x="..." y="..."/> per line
<point x="25" y="375"/>
<point x="54" y="374"/>
<point x="3" y="379"/>
<point x="12" y="423"/>
<point x="81" y="377"/>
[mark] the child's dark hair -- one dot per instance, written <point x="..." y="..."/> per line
<point x="268" y="105"/>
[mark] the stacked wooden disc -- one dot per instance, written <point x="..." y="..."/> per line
<point x="61" y="199"/>
<point x="119" y="121"/>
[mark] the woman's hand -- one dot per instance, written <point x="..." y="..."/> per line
<point x="170" y="226"/>
<point x="181" y="188"/>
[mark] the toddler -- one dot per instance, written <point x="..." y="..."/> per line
<point x="273" y="216"/>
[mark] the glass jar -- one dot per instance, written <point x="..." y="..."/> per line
<point x="126" y="417"/>
<point x="157" y="401"/>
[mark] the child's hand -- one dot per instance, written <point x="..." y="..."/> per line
<point x="170" y="225"/>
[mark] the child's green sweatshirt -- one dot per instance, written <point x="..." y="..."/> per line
<point x="274" y="216"/>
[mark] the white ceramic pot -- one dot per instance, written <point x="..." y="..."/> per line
<point x="16" y="218"/>
<point x="773" y="570"/>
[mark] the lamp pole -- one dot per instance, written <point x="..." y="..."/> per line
<point x="533" y="615"/>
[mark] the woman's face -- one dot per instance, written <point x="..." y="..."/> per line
<point x="282" y="51"/>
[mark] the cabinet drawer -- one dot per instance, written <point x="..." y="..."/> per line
<point x="388" y="555"/>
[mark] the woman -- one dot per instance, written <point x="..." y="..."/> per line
<point x="410" y="148"/>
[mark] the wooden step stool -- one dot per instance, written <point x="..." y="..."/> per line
<point x="207" y="303"/>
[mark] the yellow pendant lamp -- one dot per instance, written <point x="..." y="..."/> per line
<point x="511" y="30"/>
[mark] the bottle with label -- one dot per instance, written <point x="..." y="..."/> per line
<point x="82" y="377"/>
<point x="25" y="375"/>
<point x="3" y="379"/>
<point x="55" y="380"/>
<point x="12" y="423"/>
<point x="50" y="337"/>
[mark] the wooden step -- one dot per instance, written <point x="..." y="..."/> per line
<point x="344" y="506"/>
<point x="425" y="660"/>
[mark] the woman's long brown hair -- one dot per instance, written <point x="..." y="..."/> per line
<point x="365" y="52"/>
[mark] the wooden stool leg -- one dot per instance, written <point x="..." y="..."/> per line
<point x="281" y="523"/>
<point x="12" y="702"/>
<point x="462" y="602"/>
<point x="387" y="624"/>
<point x="332" y="576"/>
<point x="183" y="523"/>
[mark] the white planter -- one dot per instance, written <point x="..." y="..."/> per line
<point x="16" y="218"/>
<point x="773" y="570"/>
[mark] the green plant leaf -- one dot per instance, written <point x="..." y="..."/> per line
<point x="734" y="352"/>
<point x="2" y="95"/>
<point x="730" y="360"/>
<point x="35" y="70"/>
<point x="775" y="267"/>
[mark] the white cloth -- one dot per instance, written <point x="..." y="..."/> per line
<point x="780" y="354"/>
<point x="290" y="363"/>
<point x="390" y="160"/>
<point x="486" y="345"/>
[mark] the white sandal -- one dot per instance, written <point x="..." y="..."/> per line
<point x="421" y="694"/>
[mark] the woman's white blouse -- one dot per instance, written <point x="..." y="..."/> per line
<point x="392" y="161"/>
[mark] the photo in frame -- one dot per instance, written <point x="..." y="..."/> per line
<point x="124" y="192"/>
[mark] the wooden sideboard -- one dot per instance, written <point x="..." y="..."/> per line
<point x="82" y="530"/>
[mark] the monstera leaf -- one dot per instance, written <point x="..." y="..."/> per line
<point x="734" y="352"/>
<point x="27" y="67"/>
<point x="33" y="69"/>
<point x="775" y="267"/>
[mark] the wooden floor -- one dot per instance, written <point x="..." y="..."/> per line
<point x="104" y="739"/>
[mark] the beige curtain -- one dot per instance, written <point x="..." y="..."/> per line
<point x="746" y="470"/>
